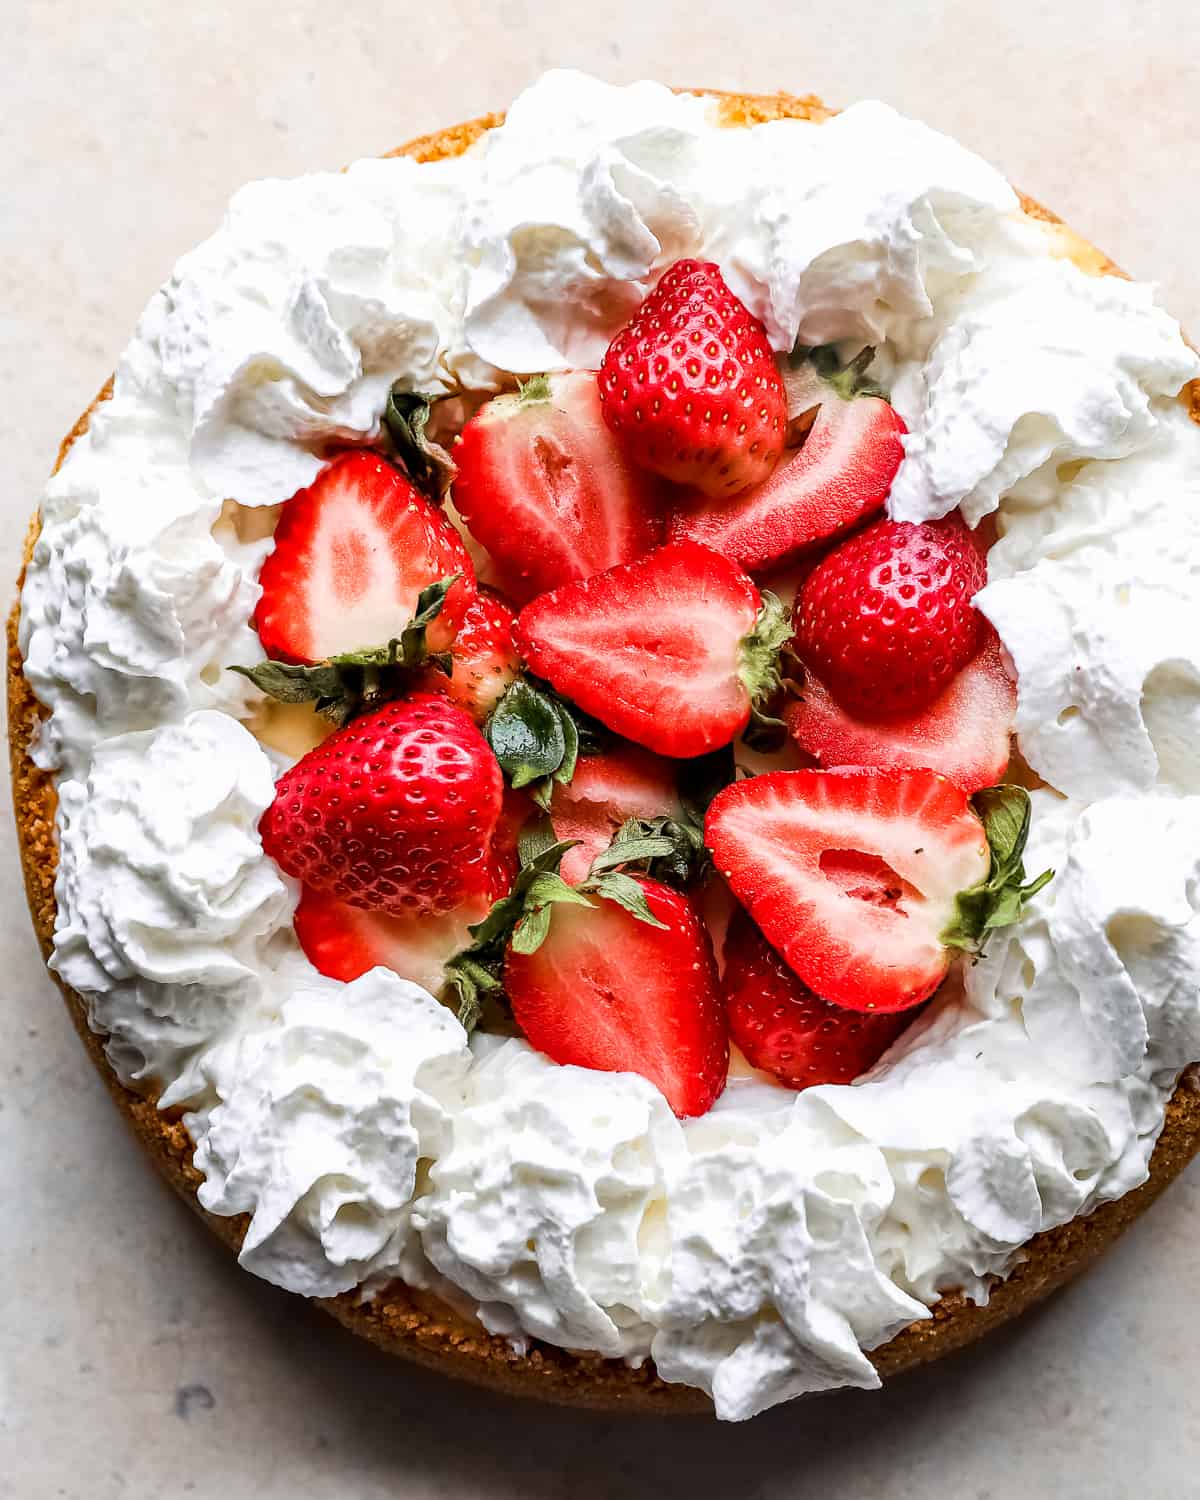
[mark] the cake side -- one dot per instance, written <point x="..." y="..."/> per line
<point x="416" y="1325"/>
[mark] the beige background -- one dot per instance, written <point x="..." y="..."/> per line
<point x="135" y="1361"/>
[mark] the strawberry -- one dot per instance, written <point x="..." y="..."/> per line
<point x="395" y="812"/>
<point x="483" y="659"/>
<point x="672" y="651"/>
<point x="625" y="782"/>
<point x="352" y="553"/>
<point x="690" y="387"/>
<point x="786" y="1030"/>
<point x="544" y="487"/>
<point x="964" y="733"/>
<point x="840" y="475"/>
<point x="344" y="941"/>
<point x="607" y="990"/>
<point x="865" y="881"/>
<point x="886" y="620"/>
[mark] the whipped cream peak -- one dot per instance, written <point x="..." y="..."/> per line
<point x="761" y="1250"/>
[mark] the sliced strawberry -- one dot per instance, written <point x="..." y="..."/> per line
<point x="625" y="782"/>
<point x="787" y="1031"/>
<point x="352" y="553"/>
<point x="606" y="990"/>
<point x="852" y="875"/>
<point x="690" y="387"/>
<point x="344" y="941"/>
<point x="544" y="486"/>
<point x="965" y="733"/>
<point x="484" y="658"/>
<point x="670" y="651"/>
<point x="840" y="475"/>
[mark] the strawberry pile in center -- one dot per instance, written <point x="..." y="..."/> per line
<point x="700" y="688"/>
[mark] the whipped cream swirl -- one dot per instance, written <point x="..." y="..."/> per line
<point x="765" y="1249"/>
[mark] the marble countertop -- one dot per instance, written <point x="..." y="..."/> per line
<point x="135" y="1359"/>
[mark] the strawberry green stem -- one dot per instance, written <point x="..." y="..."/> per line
<point x="759" y="667"/>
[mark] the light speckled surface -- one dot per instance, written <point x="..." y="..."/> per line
<point x="135" y="1360"/>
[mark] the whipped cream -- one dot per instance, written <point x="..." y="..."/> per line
<point x="762" y="1250"/>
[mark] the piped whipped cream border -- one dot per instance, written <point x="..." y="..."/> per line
<point x="760" y="1251"/>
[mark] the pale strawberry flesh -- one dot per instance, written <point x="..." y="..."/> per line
<point x="852" y="875"/>
<point x="609" y="992"/>
<point x="344" y="942"/>
<point x="841" y="475"/>
<point x="351" y="554"/>
<point x="544" y="486"/>
<point x="965" y="733"/>
<point x="652" y="649"/>
<point x="606" y="790"/>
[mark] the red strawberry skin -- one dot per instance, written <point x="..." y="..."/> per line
<point x="690" y="387"/>
<point x="851" y="875"/>
<point x="625" y="782"/>
<point x="352" y="552"/>
<point x="544" y="486"/>
<point x="608" y="991"/>
<point x="965" y="733"/>
<point x="396" y="812"/>
<point x="651" y="649"/>
<point x="840" y="476"/>
<point x="484" y="658"/>
<point x="344" y="941"/>
<point x="886" y="620"/>
<point x="784" y="1029"/>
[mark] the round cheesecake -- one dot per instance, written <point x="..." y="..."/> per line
<point x="422" y="1324"/>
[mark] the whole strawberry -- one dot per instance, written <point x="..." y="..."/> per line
<point x="786" y="1030"/>
<point x="396" y="812"/>
<point x="690" y="387"/>
<point x="886" y="620"/>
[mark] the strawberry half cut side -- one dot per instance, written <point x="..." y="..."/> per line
<point x="672" y="651"/>
<point x="545" y="487"/>
<point x="839" y="476"/>
<point x="606" y="790"/>
<point x="344" y="941"/>
<point x="965" y="733"/>
<point x="352" y="554"/>
<point x="866" y="881"/>
<point x="606" y="990"/>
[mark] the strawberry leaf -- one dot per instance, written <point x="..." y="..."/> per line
<point x="626" y="892"/>
<point x="536" y="736"/>
<point x="999" y="900"/>
<point x="357" y="681"/>
<point x="427" y="464"/>
<point x="759" y="652"/>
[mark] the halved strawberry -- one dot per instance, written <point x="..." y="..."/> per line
<point x="786" y="1030"/>
<point x="840" y="475"/>
<point x="352" y="553"/>
<point x="671" y="651"/>
<point x="483" y="658"/>
<point x="625" y="782"/>
<point x="344" y="941"/>
<point x="965" y="733"/>
<point x="608" y="990"/>
<point x="857" y="877"/>
<point x="544" y="486"/>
